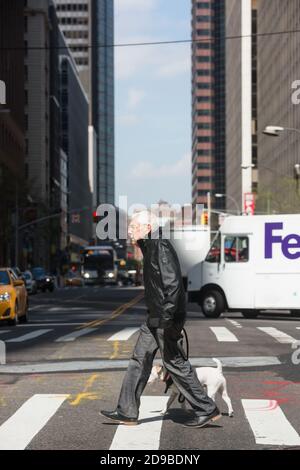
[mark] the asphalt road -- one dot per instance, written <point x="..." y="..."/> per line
<point x="68" y="362"/>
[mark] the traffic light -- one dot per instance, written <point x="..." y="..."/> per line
<point x="96" y="217"/>
<point x="204" y="218"/>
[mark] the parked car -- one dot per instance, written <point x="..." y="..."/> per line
<point x="13" y="298"/>
<point x="43" y="280"/>
<point x="30" y="283"/>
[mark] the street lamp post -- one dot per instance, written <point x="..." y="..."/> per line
<point x="220" y="195"/>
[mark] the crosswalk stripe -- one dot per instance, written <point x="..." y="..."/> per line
<point x="269" y="424"/>
<point x="123" y="335"/>
<point x="277" y="334"/>
<point x="146" y="435"/>
<point x="4" y="331"/>
<point x="28" y="336"/>
<point x="74" y="335"/>
<point x="223" y="335"/>
<point x="19" y="430"/>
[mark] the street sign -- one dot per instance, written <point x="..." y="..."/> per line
<point x="249" y="203"/>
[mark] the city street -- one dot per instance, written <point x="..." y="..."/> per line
<point x="68" y="362"/>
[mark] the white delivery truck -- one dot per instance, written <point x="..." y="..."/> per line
<point x="252" y="265"/>
<point x="191" y="243"/>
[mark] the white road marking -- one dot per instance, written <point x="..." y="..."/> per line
<point x="277" y="334"/>
<point x="28" y="336"/>
<point x="269" y="424"/>
<point x="19" y="430"/>
<point x="74" y="335"/>
<point x="146" y="435"/>
<point x="123" y="335"/>
<point x="87" y="365"/>
<point x="64" y="309"/>
<point x="2" y="332"/>
<point x="35" y="324"/>
<point x="235" y="323"/>
<point x="223" y="334"/>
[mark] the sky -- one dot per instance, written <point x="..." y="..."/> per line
<point x="153" y="102"/>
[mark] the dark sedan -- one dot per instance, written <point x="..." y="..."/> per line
<point x="43" y="280"/>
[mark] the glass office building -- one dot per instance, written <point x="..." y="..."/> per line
<point x="102" y="100"/>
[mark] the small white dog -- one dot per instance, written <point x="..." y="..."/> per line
<point x="211" y="378"/>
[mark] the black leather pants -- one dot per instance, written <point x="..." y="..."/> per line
<point x="181" y="371"/>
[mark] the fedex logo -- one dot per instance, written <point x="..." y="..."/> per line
<point x="290" y="245"/>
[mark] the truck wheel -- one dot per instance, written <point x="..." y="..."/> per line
<point x="250" y="314"/>
<point x="212" y="303"/>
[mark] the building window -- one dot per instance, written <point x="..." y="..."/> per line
<point x="204" y="45"/>
<point x="204" y="86"/>
<point x="203" y="18"/>
<point x="204" y="72"/>
<point x="205" y="125"/>
<point x="204" y="112"/>
<point x="204" y="166"/>
<point x="204" y="179"/>
<point x="203" y="5"/>
<point x="204" y="58"/>
<point x="203" y="32"/>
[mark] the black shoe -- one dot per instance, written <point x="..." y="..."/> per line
<point x="118" y="418"/>
<point x="201" y="421"/>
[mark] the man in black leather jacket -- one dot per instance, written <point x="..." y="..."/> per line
<point x="166" y="305"/>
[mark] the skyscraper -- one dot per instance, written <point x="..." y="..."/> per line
<point x="208" y="100"/>
<point x="278" y="74"/>
<point x="103" y="97"/>
<point x="74" y="20"/>
<point x="88" y="26"/>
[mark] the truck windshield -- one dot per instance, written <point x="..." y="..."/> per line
<point x="214" y="254"/>
<point x="99" y="261"/>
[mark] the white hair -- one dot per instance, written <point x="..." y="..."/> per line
<point x="147" y="217"/>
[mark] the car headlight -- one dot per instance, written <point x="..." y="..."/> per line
<point x="5" y="297"/>
<point x="111" y="275"/>
<point x="86" y="275"/>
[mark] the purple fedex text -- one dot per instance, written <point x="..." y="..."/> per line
<point x="290" y="245"/>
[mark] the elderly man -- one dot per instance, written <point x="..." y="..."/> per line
<point x="165" y="301"/>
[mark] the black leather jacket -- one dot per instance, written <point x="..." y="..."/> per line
<point x="164" y="290"/>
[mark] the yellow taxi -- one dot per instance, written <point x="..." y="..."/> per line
<point x="13" y="298"/>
